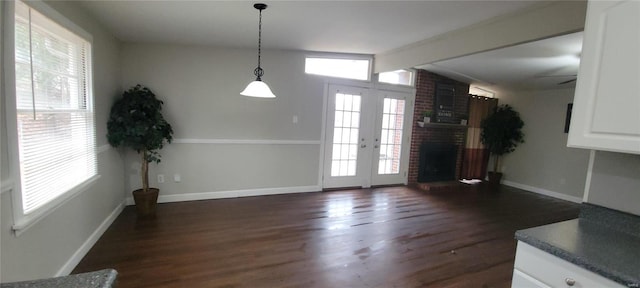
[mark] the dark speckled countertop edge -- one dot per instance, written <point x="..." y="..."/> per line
<point x="601" y="270"/>
<point x="97" y="279"/>
<point x="597" y="227"/>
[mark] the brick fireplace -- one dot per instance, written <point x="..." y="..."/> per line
<point x="436" y="133"/>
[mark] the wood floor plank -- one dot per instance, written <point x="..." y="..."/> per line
<point x="382" y="237"/>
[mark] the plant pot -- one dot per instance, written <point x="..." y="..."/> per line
<point x="146" y="202"/>
<point x="494" y="178"/>
<point x="427" y="119"/>
<point x="463" y="122"/>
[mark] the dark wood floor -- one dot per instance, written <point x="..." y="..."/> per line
<point x="386" y="237"/>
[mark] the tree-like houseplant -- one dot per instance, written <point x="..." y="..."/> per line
<point x="501" y="134"/>
<point x="136" y="122"/>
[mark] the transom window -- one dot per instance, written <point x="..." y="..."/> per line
<point x="358" y="69"/>
<point x="398" y="77"/>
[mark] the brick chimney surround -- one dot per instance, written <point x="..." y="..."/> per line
<point x="438" y="133"/>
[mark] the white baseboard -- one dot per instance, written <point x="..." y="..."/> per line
<point x="231" y="194"/>
<point x="86" y="246"/>
<point x="543" y="191"/>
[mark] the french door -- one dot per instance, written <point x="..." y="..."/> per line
<point x="365" y="138"/>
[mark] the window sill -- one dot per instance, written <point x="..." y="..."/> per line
<point x="26" y="221"/>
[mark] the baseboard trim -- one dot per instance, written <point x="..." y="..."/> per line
<point x="86" y="246"/>
<point x="543" y="191"/>
<point x="232" y="194"/>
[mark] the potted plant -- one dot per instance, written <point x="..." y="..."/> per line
<point x="136" y="122"/>
<point x="427" y="116"/>
<point x="501" y="133"/>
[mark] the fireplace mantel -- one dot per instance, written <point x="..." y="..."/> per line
<point x="444" y="125"/>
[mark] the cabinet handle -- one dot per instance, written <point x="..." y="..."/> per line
<point x="570" y="281"/>
<point x="363" y="145"/>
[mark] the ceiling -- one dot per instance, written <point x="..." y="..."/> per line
<point x="543" y="64"/>
<point x="362" y="27"/>
<point x="359" y="27"/>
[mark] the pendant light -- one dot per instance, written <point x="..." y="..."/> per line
<point x="258" y="88"/>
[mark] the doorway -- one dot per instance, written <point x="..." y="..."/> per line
<point x="366" y="137"/>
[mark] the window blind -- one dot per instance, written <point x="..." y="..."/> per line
<point x="55" y="118"/>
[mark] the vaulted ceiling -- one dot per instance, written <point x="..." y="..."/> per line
<point x="359" y="27"/>
<point x="364" y="27"/>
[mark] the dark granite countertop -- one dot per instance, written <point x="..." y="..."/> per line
<point x="98" y="279"/>
<point x="603" y="241"/>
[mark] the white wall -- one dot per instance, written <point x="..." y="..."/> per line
<point x="200" y="87"/>
<point x="544" y="163"/>
<point x="53" y="245"/>
<point x="615" y="181"/>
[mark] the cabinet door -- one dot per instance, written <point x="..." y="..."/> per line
<point x="522" y="280"/>
<point x="606" y="109"/>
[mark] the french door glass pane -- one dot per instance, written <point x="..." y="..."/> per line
<point x="344" y="154"/>
<point x="391" y="136"/>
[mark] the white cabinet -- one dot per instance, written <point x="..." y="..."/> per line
<point x="522" y="280"/>
<point x="606" y="107"/>
<point x="536" y="268"/>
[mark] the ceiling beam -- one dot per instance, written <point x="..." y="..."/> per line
<point x="538" y="22"/>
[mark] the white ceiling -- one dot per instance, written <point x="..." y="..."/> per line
<point x="366" y="27"/>
<point x="536" y="65"/>
<point x="361" y="27"/>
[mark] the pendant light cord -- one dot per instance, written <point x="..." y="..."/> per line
<point x="258" y="71"/>
<point x="259" y="37"/>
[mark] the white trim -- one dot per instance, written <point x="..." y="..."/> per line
<point x="7" y="186"/>
<point x="246" y="141"/>
<point x="587" y="183"/>
<point x="103" y="148"/>
<point x="26" y="221"/>
<point x="232" y="194"/>
<point x="543" y="191"/>
<point x="323" y="134"/>
<point x="88" y="244"/>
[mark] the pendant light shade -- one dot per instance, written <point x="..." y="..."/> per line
<point x="258" y="88"/>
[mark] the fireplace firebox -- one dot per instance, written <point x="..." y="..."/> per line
<point x="437" y="162"/>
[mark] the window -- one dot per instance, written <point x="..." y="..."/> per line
<point x="344" y="155"/>
<point x="391" y="136"/>
<point x="54" y="110"/>
<point x="478" y="91"/>
<point x="357" y="69"/>
<point x="398" y="77"/>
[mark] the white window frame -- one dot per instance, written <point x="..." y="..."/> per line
<point x="23" y="221"/>
<point x="343" y="57"/>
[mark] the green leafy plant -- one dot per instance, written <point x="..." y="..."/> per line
<point x="426" y="113"/>
<point x="502" y="132"/>
<point x="136" y="122"/>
